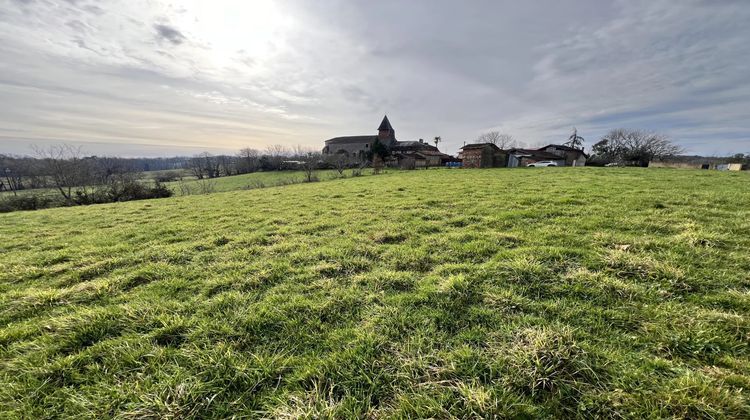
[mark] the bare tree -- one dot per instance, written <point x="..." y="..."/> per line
<point x="248" y="160"/>
<point x="12" y="172"/>
<point x="70" y="172"/>
<point x="211" y="163"/>
<point x="310" y="165"/>
<point x="634" y="147"/>
<point x="195" y="166"/>
<point x="204" y="165"/>
<point x="184" y="187"/>
<point x="310" y="160"/>
<point x="12" y="180"/>
<point x="437" y="140"/>
<point x="225" y="165"/>
<point x="501" y="140"/>
<point x="299" y="152"/>
<point x="206" y="186"/>
<point x="113" y="177"/>
<point x="276" y="154"/>
<point x="340" y="162"/>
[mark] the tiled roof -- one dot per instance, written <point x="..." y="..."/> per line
<point x="351" y="139"/>
<point x="479" y="146"/>
<point x="565" y="148"/>
<point x="403" y="145"/>
<point x="561" y="147"/>
<point x="536" y="154"/>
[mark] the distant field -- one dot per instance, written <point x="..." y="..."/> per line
<point x="254" y="180"/>
<point x="555" y="292"/>
<point x="41" y="192"/>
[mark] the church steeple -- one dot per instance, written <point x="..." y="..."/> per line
<point x="386" y="131"/>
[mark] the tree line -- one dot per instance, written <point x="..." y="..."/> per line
<point x="19" y="173"/>
<point x="272" y="158"/>
<point x="79" y="179"/>
<point x="33" y="172"/>
<point x="249" y="160"/>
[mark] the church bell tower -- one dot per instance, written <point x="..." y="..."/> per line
<point x="386" y="133"/>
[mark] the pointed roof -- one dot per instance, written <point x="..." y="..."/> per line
<point x="385" y="125"/>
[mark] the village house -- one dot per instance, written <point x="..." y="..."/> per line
<point x="488" y="155"/>
<point x="417" y="154"/>
<point x="403" y="154"/>
<point x="570" y="155"/>
<point x="559" y="154"/>
<point x="524" y="157"/>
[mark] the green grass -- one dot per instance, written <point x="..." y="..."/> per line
<point x="559" y="292"/>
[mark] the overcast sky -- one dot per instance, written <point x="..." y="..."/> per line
<point x="149" y="77"/>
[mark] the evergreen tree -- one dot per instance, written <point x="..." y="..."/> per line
<point x="575" y="141"/>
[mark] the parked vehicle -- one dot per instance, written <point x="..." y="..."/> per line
<point x="542" y="163"/>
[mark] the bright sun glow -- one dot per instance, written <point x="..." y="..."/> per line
<point x="231" y="30"/>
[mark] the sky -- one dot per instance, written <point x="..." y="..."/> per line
<point x="179" y="77"/>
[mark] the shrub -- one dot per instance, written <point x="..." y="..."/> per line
<point x="108" y="194"/>
<point x="28" y="202"/>
<point x="136" y="191"/>
<point x="168" y="176"/>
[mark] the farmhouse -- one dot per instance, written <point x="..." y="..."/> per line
<point x="482" y="155"/>
<point x="405" y="154"/>
<point x="414" y="159"/>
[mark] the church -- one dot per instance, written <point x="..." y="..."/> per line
<point x="402" y="153"/>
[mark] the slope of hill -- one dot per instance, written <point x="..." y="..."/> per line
<point x="552" y="292"/>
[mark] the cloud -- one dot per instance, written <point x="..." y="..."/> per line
<point x="169" y="33"/>
<point x="295" y="72"/>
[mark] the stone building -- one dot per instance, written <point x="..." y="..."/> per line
<point x="360" y="146"/>
<point x="482" y="155"/>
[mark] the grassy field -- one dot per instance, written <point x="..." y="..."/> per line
<point x="557" y="292"/>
